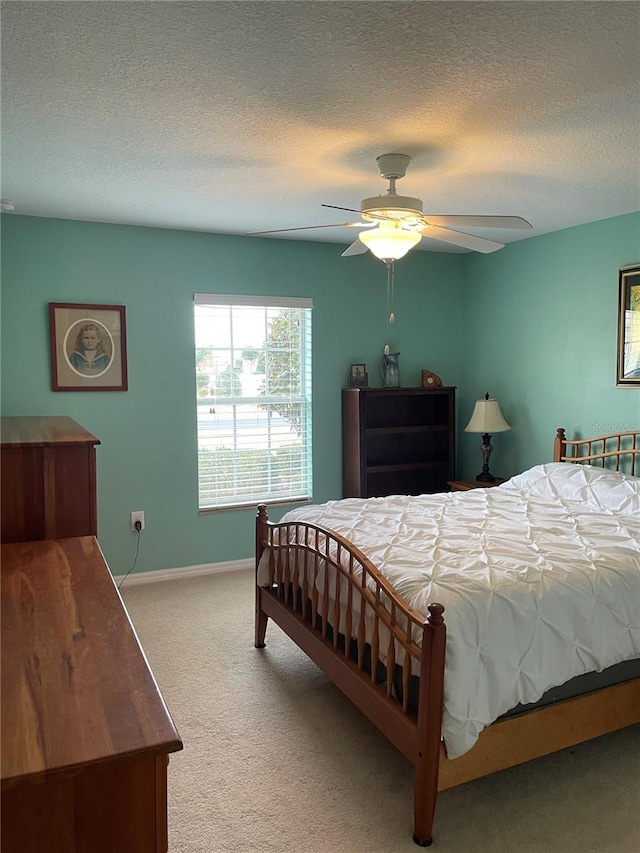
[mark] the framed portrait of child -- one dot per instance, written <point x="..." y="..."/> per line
<point x="88" y="347"/>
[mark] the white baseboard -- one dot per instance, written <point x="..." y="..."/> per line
<point x="186" y="572"/>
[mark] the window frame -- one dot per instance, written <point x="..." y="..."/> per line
<point x="305" y="495"/>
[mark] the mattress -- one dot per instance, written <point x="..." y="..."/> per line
<point x="539" y="577"/>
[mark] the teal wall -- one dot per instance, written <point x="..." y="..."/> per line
<point x="147" y="458"/>
<point x="539" y="331"/>
<point x="534" y="324"/>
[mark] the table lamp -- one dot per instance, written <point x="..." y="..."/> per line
<point x="486" y="419"/>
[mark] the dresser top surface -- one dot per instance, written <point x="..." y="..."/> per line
<point x="76" y="686"/>
<point x="43" y="430"/>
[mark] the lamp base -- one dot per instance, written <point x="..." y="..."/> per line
<point x="486" y="476"/>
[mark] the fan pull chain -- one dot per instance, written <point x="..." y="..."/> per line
<point x="391" y="317"/>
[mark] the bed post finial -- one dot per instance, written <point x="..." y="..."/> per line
<point x="262" y="520"/>
<point x="435" y="614"/>
<point x="560" y="445"/>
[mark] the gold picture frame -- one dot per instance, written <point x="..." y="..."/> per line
<point x="88" y="347"/>
<point x="628" y="362"/>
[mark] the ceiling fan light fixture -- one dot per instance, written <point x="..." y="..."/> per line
<point x="389" y="241"/>
<point x="401" y="223"/>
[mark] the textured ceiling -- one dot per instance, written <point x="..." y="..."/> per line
<point x="232" y="117"/>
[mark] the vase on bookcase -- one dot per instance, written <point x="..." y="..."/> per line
<point x="390" y="370"/>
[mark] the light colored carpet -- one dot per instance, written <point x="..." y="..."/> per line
<point x="277" y="760"/>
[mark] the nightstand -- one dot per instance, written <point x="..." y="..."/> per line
<point x="465" y="485"/>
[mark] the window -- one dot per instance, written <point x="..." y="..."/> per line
<point x="253" y="398"/>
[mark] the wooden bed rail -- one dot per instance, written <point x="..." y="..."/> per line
<point x="613" y="448"/>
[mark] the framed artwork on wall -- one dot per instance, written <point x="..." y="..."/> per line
<point x="88" y="347"/>
<point x="628" y="374"/>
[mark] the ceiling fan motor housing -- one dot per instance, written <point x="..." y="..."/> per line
<point x="401" y="207"/>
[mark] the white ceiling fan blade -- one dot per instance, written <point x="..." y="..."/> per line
<point x="309" y="228"/>
<point x="356" y="248"/>
<point x="458" y="238"/>
<point x="336" y="207"/>
<point x="377" y="217"/>
<point x="480" y="221"/>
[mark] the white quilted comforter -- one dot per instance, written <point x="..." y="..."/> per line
<point x="539" y="577"/>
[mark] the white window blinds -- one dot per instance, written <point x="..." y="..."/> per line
<point x="253" y="398"/>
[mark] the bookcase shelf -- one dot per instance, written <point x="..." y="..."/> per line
<point x="397" y="440"/>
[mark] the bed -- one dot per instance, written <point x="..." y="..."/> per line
<point x="538" y="580"/>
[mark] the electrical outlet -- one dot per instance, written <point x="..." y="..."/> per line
<point x="137" y="516"/>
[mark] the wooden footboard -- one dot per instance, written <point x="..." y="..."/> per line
<point x="336" y="606"/>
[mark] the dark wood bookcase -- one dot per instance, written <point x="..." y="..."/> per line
<point x="397" y="441"/>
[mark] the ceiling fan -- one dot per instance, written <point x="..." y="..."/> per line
<point x="396" y="223"/>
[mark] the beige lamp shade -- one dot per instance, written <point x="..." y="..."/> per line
<point x="487" y="417"/>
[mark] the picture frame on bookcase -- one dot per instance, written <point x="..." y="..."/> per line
<point x="88" y="347"/>
<point x="358" y="377"/>
<point x="628" y="361"/>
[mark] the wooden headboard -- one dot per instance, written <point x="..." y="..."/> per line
<point x="617" y="450"/>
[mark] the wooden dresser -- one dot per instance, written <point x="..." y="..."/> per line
<point x="48" y="470"/>
<point x="85" y="733"/>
